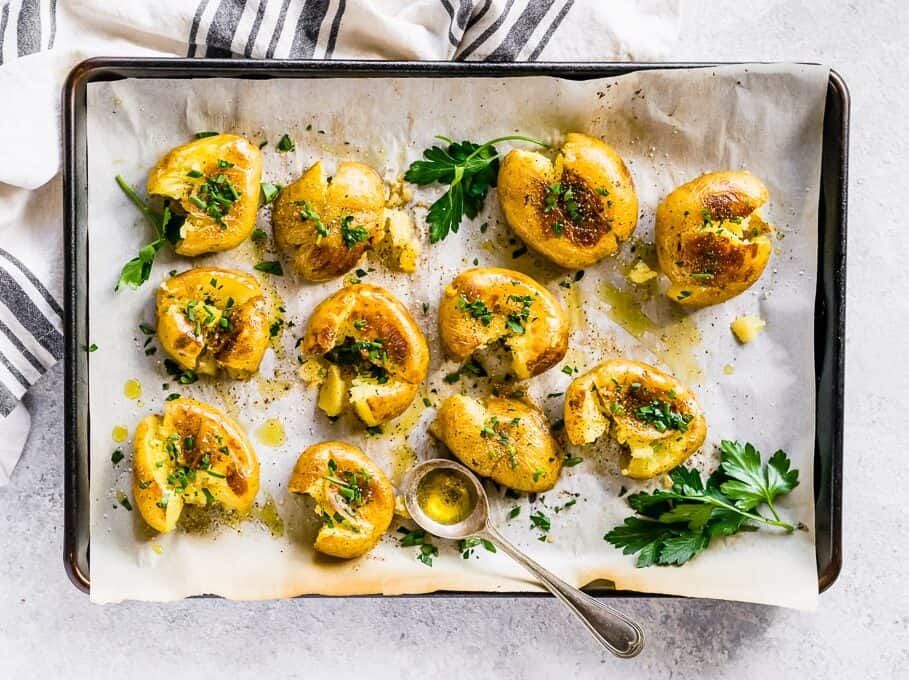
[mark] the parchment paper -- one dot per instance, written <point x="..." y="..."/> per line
<point x="669" y="127"/>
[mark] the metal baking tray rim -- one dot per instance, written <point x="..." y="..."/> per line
<point x="830" y="297"/>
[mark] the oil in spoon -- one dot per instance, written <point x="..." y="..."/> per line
<point x="446" y="496"/>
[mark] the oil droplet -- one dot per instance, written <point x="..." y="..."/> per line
<point x="574" y="304"/>
<point x="625" y="310"/>
<point x="268" y="515"/>
<point x="119" y="434"/>
<point x="132" y="389"/>
<point x="157" y="548"/>
<point x="271" y="432"/>
<point x="446" y="496"/>
<point x="728" y="369"/>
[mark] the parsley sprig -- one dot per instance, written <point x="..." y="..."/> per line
<point x="673" y="526"/>
<point x="468" y="169"/>
<point x="167" y="230"/>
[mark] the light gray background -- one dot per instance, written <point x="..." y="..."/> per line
<point x="49" y="630"/>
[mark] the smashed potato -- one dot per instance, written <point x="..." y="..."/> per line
<point x="400" y="246"/>
<point x="211" y="319"/>
<point x="711" y="242"/>
<point x="353" y="497"/>
<point x="373" y="353"/>
<point x="329" y="222"/>
<point x="575" y="211"/>
<point x="486" y="305"/>
<point x="193" y="455"/>
<point x="507" y="440"/>
<point x="214" y="182"/>
<point x="654" y="415"/>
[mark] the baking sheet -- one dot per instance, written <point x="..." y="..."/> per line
<point x="669" y="126"/>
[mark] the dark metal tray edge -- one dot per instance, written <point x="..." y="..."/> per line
<point x="830" y="301"/>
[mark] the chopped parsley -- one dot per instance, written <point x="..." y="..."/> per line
<point x="660" y="414"/>
<point x="477" y="309"/>
<point x="270" y="267"/>
<point x="352" y="235"/>
<point x="285" y="144"/>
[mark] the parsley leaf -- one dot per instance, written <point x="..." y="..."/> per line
<point x="751" y="484"/>
<point x="468" y="169"/>
<point x="674" y="525"/>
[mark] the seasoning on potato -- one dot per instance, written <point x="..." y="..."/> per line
<point x="574" y="211"/>
<point x="328" y="223"/>
<point x="211" y="319"/>
<point x="711" y="242"/>
<point x="508" y="440"/>
<point x="372" y="352"/>
<point x="655" y="417"/>
<point x="215" y="183"/>
<point x="486" y="307"/>
<point x="194" y="454"/>
<point x="353" y="497"/>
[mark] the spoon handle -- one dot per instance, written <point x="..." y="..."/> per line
<point x="615" y="631"/>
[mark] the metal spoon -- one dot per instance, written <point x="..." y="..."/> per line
<point x="615" y="631"/>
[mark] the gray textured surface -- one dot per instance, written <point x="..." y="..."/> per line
<point x="48" y="629"/>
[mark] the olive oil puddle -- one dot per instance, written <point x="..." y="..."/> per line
<point x="199" y="520"/>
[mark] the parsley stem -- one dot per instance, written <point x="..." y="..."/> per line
<point x="140" y="204"/>
<point x="507" y="138"/>
<point x="710" y="500"/>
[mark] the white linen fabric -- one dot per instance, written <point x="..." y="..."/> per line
<point x="41" y="40"/>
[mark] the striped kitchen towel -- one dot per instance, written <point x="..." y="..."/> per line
<point x="41" y="40"/>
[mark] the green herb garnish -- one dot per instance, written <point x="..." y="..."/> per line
<point x="671" y="527"/>
<point x="285" y="144"/>
<point x="468" y="169"/>
<point x="270" y="267"/>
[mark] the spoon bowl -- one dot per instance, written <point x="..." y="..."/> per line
<point x="611" y="628"/>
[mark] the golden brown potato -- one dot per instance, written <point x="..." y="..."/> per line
<point x="507" y="440"/>
<point x="654" y="415"/>
<point x="211" y="319"/>
<point x="374" y="354"/>
<point x="575" y="211"/>
<point x="353" y="497"/>
<point x="711" y="242"/>
<point x="483" y="306"/>
<point x="329" y="222"/>
<point x="215" y="183"/>
<point x="193" y="455"/>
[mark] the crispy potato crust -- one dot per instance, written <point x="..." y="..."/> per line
<point x="329" y="223"/>
<point x="350" y="527"/>
<point x="194" y="455"/>
<point x="711" y="242"/>
<point x="575" y="211"/>
<point x="485" y="305"/>
<point x="170" y="178"/>
<point x="507" y="440"/>
<point x="381" y="353"/>
<point x="211" y="319"/>
<point x="614" y="392"/>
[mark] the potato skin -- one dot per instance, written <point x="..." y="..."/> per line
<point x="234" y="481"/>
<point x="364" y="524"/>
<point x="236" y="348"/>
<point x="356" y="191"/>
<point x="368" y="313"/>
<point x="516" y="449"/>
<point x="710" y="241"/>
<point x="603" y="190"/>
<point x="606" y="394"/>
<point x="545" y="339"/>
<point x="169" y="178"/>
